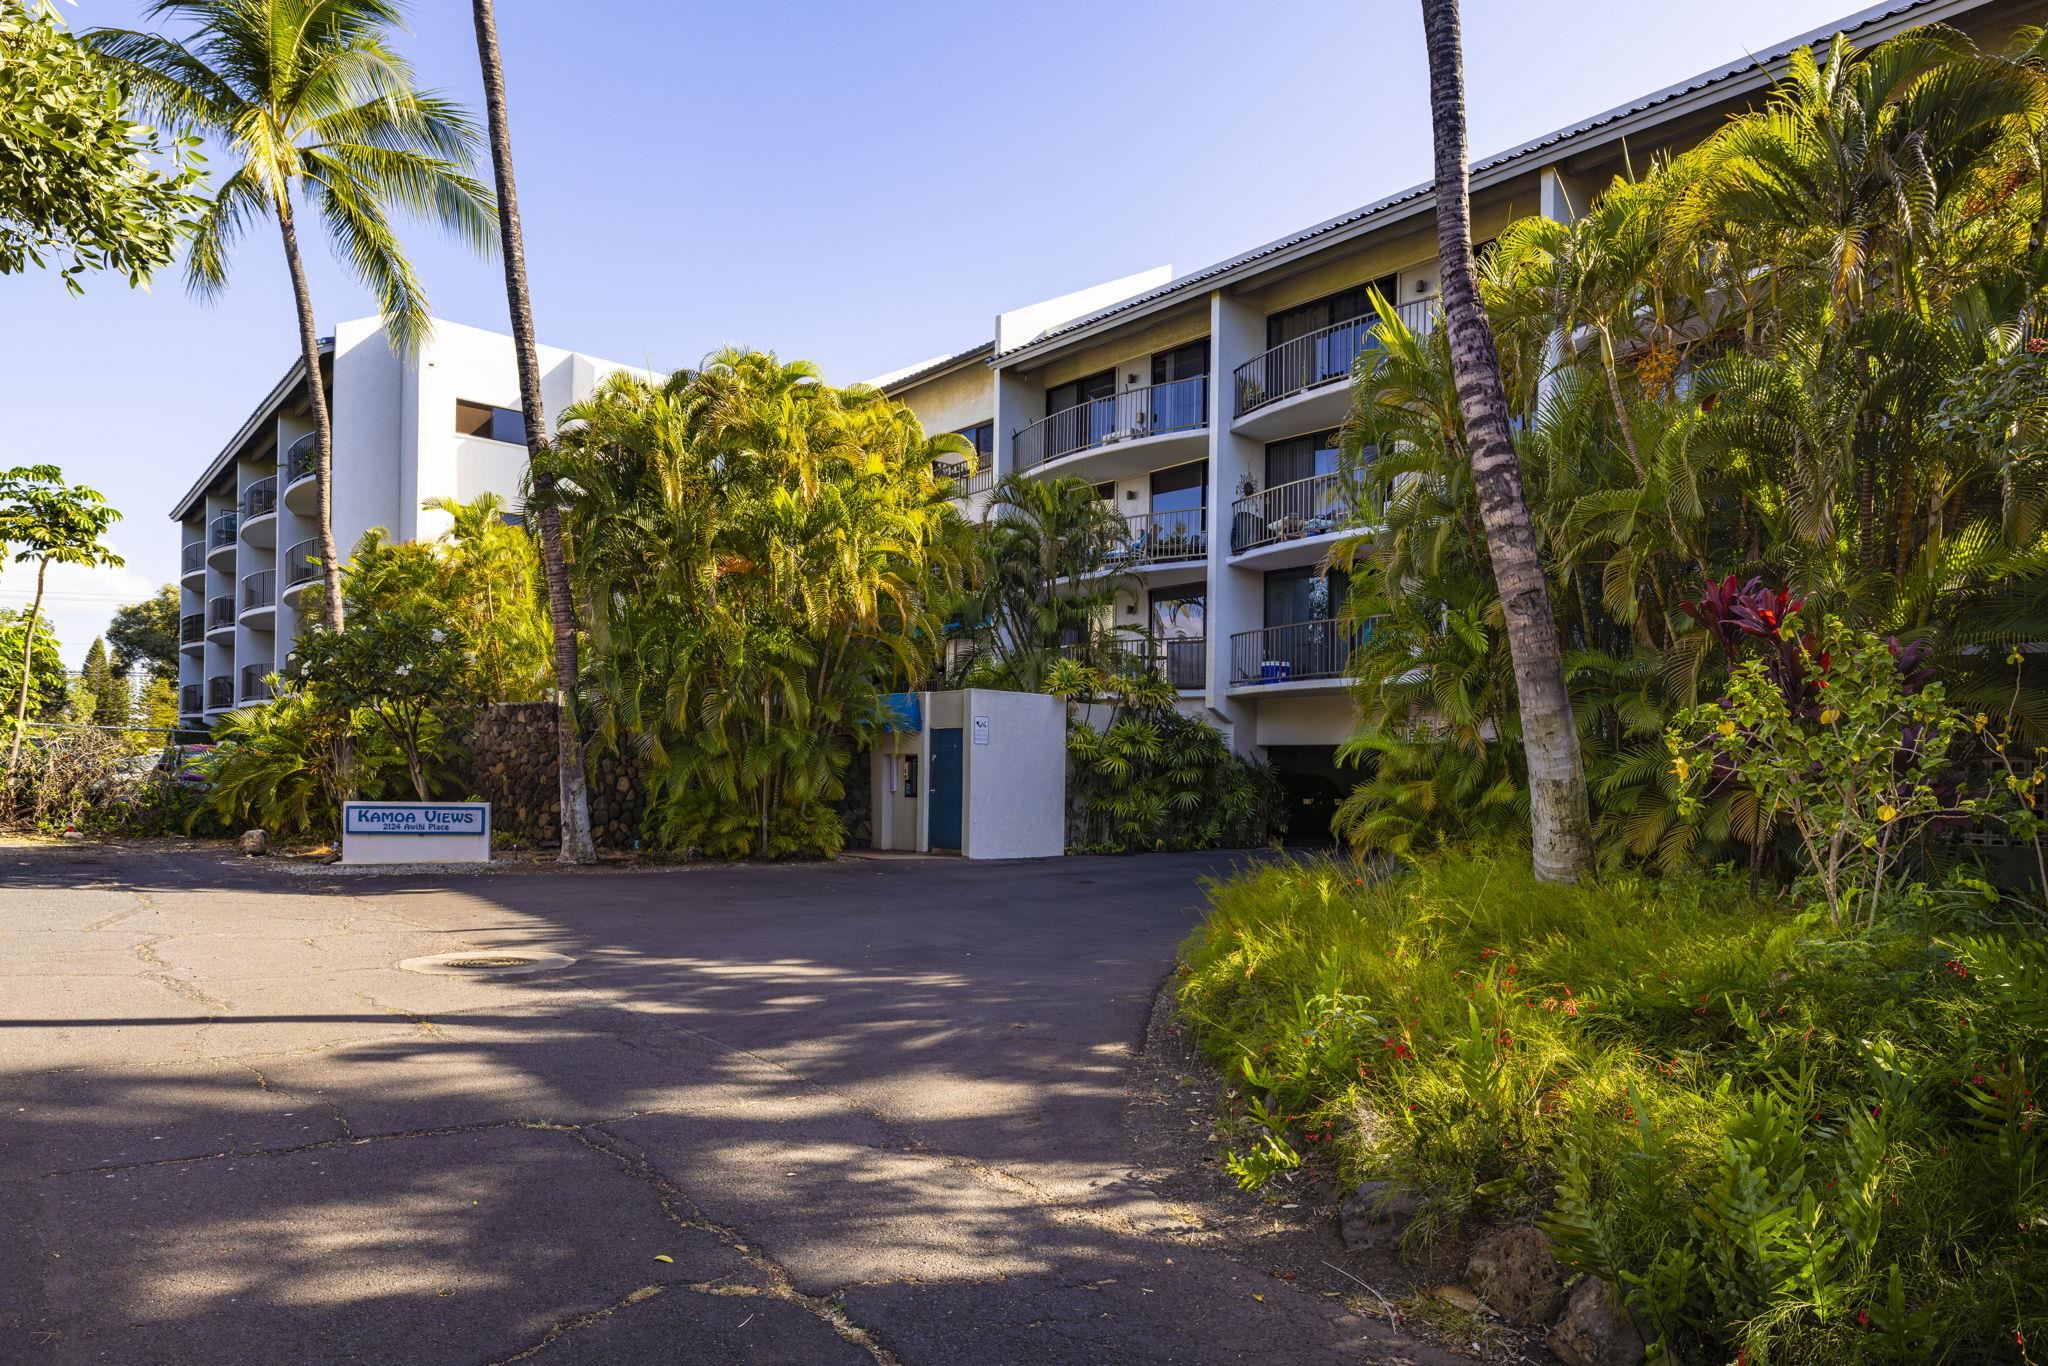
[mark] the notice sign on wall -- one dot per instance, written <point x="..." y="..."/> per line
<point x="981" y="730"/>
<point x="415" y="832"/>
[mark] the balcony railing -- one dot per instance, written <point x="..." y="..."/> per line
<point x="193" y="557"/>
<point x="1296" y="651"/>
<point x="221" y="531"/>
<point x="966" y="485"/>
<point x="1165" y="537"/>
<point x="260" y="498"/>
<point x="189" y="696"/>
<point x="302" y="563"/>
<point x="1187" y="661"/>
<point x="220" y="692"/>
<point x="302" y="459"/>
<point x="220" y="611"/>
<point x="259" y="590"/>
<point x="1181" y="406"/>
<point x="1314" y="506"/>
<point x="192" y="628"/>
<point x="1318" y="358"/>
<point x="1183" y="659"/>
<point x="254" y="689"/>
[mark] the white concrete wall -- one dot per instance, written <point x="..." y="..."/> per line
<point x="1015" y="805"/>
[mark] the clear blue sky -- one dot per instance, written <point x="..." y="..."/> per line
<point x="859" y="185"/>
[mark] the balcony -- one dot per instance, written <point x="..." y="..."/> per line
<point x="254" y="689"/>
<point x="1316" y="653"/>
<point x="1183" y="659"/>
<point x="259" y="597"/>
<point x="966" y="484"/>
<point x="220" y="692"/>
<point x="191" y="630"/>
<point x="1137" y="424"/>
<point x="189" y="697"/>
<point x="259" y="512"/>
<point x="192" y="560"/>
<point x="1292" y="524"/>
<point x="1298" y="386"/>
<point x="1164" y="538"/>
<point x="301" y="566"/>
<point x="220" y="541"/>
<point x="298" y="472"/>
<point x="220" y="614"/>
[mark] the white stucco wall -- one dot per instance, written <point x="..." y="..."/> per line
<point x="1015" y="805"/>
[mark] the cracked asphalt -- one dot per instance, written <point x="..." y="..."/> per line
<point x="862" y="1112"/>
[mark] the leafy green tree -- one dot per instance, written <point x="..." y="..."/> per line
<point x="146" y="633"/>
<point x="317" y="111"/>
<point x="491" y="584"/>
<point x="109" y="690"/>
<point x="401" y="666"/>
<point x="46" y="675"/>
<point x="47" y="521"/>
<point x="81" y="182"/>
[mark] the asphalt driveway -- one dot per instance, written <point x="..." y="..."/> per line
<point x="865" y="1112"/>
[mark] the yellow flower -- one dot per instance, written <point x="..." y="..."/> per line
<point x="1887" y="812"/>
<point x="1829" y="717"/>
<point x="1727" y="728"/>
<point x="1681" y="768"/>
<point x="1980" y="720"/>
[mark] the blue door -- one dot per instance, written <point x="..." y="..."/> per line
<point x="943" y="791"/>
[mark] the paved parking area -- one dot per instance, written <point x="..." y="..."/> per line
<point x="862" y="1112"/>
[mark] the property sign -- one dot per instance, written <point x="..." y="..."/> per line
<point x="415" y="832"/>
<point x="981" y="730"/>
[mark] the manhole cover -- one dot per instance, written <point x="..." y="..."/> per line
<point x="487" y="964"/>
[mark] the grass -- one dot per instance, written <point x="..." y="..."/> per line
<point x="1785" y="1139"/>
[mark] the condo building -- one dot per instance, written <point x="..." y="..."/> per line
<point x="443" y="423"/>
<point x="1205" y="406"/>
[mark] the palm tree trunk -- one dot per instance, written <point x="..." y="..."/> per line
<point x="28" y="654"/>
<point x="323" y="427"/>
<point x="1561" y="834"/>
<point x="576" y="842"/>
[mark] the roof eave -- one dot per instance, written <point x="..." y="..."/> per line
<point x="272" y="401"/>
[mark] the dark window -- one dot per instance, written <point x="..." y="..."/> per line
<point x="1106" y="490"/>
<point x="1183" y="362"/>
<point x="1300" y="457"/>
<point x="1180" y="613"/>
<point x="1076" y="392"/>
<point x="495" y="424"/>
<point x="1328" y="311"/>
<point x="1294" y="595"/>
<point x="983" y="438"/>
<point x="1184" y="488"/>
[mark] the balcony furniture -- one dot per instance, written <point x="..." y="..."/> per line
<point x="1181" y="405"/>
<point x="1163" y="537"/>
<point x="1315" y="506"/>
<point x="1321" y="357"/>
<point x="1295" y="651"/>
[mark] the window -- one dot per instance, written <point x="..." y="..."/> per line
<point x="1178" y="613"/>
<point x="1328" y="311"/>
<point x="1184" y="488"/>
<point x="1183" y="362"/>
<point x="983" y="438"/>
<point x="1074" y="393"/>
<point x="1300" y="457"/>
<point x="493" y="424"/>
<point x="1298" y="595"/>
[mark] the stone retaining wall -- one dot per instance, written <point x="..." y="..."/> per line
<point x="512" y="766"/>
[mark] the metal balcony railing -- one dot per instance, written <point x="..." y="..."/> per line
<point x="259" y="590"/>
<point x="302" y="563"/>
<point x="1187" y="662"/>
<point x="1293" y="652"/>
<point x="302" y="459"/>
<point x="192" y="628"/>
<point x="254" y="689"/>
<point x="220" y="611"/>
<point x="220" y="692"/>
<point x="1318" y="358"/>
<point x="966" y="485"/>
<point x="189" y="697"/>
<point x="193" y="557"/>
<point x="1314" y="506"/>
<point x="1183" y="659"/>
<point x="260" y="498"/>
<point x="221" y="531"/>
<point x="1181" y="406"/>
<point x="1165" y="537"/>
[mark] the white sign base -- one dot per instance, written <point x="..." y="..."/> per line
<point x="415" y="832"/>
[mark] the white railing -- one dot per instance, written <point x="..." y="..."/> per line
<point x="1321" y="357"/>
<point x="1179" y="406"/>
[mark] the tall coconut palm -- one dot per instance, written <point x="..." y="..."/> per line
<point x="575" y="796"/>
<point x="1560" y="826"/>
<point x="315" y="111"/>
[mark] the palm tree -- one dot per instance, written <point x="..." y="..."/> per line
<point x="575" y="796"/>
<point x="1560" y="826"/>
<point x="1055" y="551"/>
<point x="316" y="111"/>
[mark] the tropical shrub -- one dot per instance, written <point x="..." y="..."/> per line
<point x="1148" y="777"/>
<point x="287" y="766"/>
<point x="763" y="556"/>
<point x="1802" y="1141"/>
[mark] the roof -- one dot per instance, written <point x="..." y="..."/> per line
<point x="221" y="463"/>
<point x="932" y="369"/>
<point x="1718" y="84"/>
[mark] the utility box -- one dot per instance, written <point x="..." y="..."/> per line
<point x="977" y="772"/>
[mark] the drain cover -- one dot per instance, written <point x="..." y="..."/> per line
<point x="487" y="964"/>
